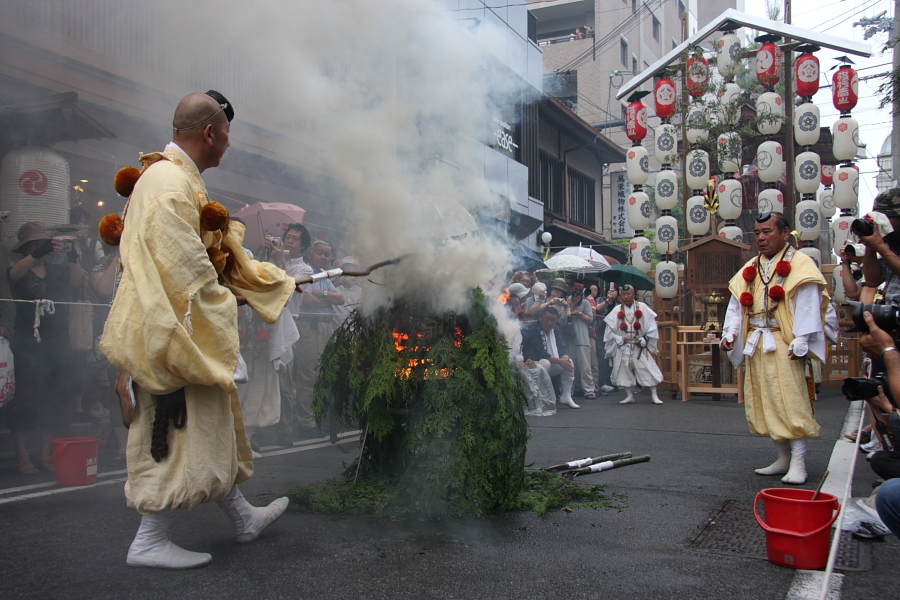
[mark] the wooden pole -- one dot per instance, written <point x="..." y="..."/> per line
<point x="790" y="195"/>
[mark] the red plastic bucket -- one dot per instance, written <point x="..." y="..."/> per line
<point x="75" y="460"/>
<point x="798" y="528"/>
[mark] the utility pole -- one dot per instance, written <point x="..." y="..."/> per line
<point x="789" y="152"/>
<point x="895" y="99"/>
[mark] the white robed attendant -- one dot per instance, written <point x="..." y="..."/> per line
<point x="631" y="340"/>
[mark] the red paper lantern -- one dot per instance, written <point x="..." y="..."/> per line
<point x="806" y="74"/>
<point x="768" y="63"/>
<point x="636" y="121"/>
<point x="664" y="95"/>
<point x="844" y="90"/>
<point x="828" y="174"/>
<point x="697" y="75"/>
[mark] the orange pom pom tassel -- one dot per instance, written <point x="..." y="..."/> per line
<point x="213" y="217"/>
<point x="217" y="258"/>
<point x="110" y="229"/>
<point x="125" y="179"/>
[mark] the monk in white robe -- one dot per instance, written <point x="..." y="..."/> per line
<point x="173" y="326"/>
<point x="774" y="326"/>
<point x="632" y="342"/>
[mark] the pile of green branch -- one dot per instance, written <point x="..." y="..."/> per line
<point x="443" y="415"/>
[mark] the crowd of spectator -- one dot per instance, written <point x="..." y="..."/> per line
<point x="62" y="379"/>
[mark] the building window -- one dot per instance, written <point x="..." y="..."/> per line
<point x="551" y="186"/>
<point x="581" y="199"/>
<point x="633" y="6"/>
<point x="552" y="189"/>
<point x="681" y="9"/>
<point x="623" y="51"/>
<point x="634" y="69"/>
<point x="656" y="27"/>
<point x="674" y="44"/>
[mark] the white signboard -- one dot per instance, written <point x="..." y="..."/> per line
<point x="621" y="189"/>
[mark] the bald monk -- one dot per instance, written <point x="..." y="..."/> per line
<point x="173" y="329"/>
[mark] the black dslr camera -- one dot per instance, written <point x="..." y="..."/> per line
<point x="863" y="226"/>
<point x="886" y="317"/>
<point x="861" y="388"/>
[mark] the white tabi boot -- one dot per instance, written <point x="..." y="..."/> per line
<point x="654" y="395"/>
<point x="151" y="546"/>
<point x="630" y="397"/>
<point x="796" y="475"/>
<point x="248" y="520"/>
<point x="781" y="465"/>
<point x="566" y="396"/>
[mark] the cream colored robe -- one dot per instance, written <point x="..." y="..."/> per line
<point x="777" y="402"/>
<point x="172" y="325"/>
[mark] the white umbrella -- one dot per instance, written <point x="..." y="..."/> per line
<point x="572" y="264"/>
<point x="589" y="254"/>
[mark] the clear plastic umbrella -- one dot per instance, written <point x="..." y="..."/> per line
<point x="589" y="254"/>
<point x="571" y="264"/>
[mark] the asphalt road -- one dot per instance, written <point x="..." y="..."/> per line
<point x="70" y="543"/>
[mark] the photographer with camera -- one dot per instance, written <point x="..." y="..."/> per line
<point x="886" y="464"/>
<point x="878" y="232"/>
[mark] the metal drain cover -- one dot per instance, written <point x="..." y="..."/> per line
<point x="733" y="531"/>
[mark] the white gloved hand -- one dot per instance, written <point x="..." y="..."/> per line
<point x="799" y="346"/>
<point x="619" y="339"/>
<point x="643" y="342"/>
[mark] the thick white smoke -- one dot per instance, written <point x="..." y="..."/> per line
<point x="387" y="99"/>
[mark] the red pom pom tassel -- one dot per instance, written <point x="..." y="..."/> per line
<point x="110" y="229"/>
<point x="623" y="326"/>
<point x="776" y="292"/>
<point x="783" y="268"/>
<point x="747" y="299"/>
<point x="621" y="314"/>
<point x="637" y="325"/>
<point x="749" y="273"/>
<point x="125" y="179"/>
<point x="638" y="314"/>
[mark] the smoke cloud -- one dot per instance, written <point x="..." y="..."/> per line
<point x="386" y="100"/>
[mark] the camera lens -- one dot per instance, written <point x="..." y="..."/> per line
<point x="862" y="227"/>
<point x="885" y="317"/>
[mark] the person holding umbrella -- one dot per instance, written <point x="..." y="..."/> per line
<point x="631" y="341"/>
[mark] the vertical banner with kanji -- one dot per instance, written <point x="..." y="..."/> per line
<point x="621" y="189"/>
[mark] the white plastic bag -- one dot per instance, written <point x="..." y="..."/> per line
<point x="7" y="372"/>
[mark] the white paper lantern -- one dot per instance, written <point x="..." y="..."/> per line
<point x="846" y="187"/>
<point x="770" y="200"/>
<point x="728" y="52"/>
<point x="806" y="124"/>
<point x="637" y="162"/>
<point x="697" y="169"/>
<point x="839" y="295"/>
<point x="770" y="161"/>
<point x="807" y="172"/>
<point x="841" y="228"/>
<point x="729" y="108"/>
<point x="665" y="143"/>
<point x="639" y="211"/>
<point x="696" y="118"/>
<point x="666" y="234"/>
<point x="814" y="254"/>
<point x="666" y="190"/>
<point x="808" y="220"/>
<point x="729" y="152"/>
<point x="696" y="216"/>
<point x="826" y="203"/>
<point x="34" y="186"/>
<point x="641" y="254"/>
<point x="667" y="279"/>
<point x="732" y="232"/>
<point x="731" y="199"/>
<point x="770" y="113"/>
<point x="845" y="138"/>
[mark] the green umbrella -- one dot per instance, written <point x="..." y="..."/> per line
<point x="627" y="275"/>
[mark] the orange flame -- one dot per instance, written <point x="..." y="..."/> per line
<point x="401" y="343"/>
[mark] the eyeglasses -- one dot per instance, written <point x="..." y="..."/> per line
<point x="204" y="121"/>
